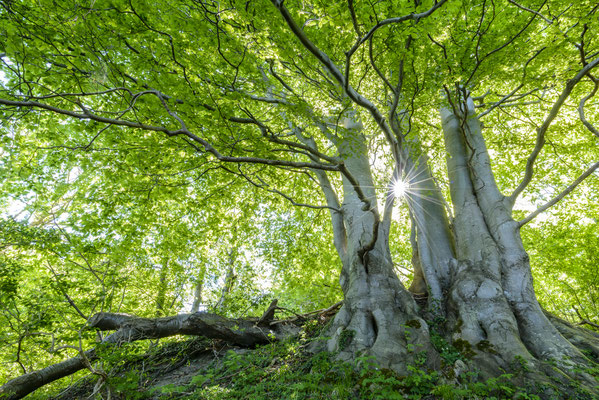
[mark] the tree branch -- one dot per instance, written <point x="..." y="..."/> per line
<point x="584" y="321"/>
<point x="354" y="20"/>
<point x="324" y="59"/>
<point x="540" y="142"/>
<point x="560" y="196"/>
<point x="129" y="328"/>
<point x="339" y="232"/>
<point x="513" y="92"/>
<point x="585" y="122"/>
<point x="531" y="11"/>
<point x="414" y="17"/>
<point x="265" y="186"/>
<point x="87" y="115"/>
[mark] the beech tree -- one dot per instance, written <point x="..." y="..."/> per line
<point x="348" y="107"/>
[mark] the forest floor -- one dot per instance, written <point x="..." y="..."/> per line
<point x="163" y="371"/>
<point x="198" y="368"/>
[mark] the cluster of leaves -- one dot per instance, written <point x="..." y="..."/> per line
<point x="565" y="258"/>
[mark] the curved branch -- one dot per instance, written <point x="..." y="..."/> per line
<point x="414" y="17"/>
<point x="531" y="11"/>
<point x="265" y="186"/>
<point x="501" y="101"/>
<point x="376" y="69"/>
<point x="65" y="95"/>
<point x="528" y="174"/>
<point x="339" y="232"/>
<point x="497" y="49"/>
<point x="560" y="196"/>
<point x="87" y="115"/>
<point x="354" y="20"/>
<point x="270" y="136"/>
<point x="129" y="328"/>
<point x="266" y="131"/>
<point x="23" y="385"/>
<point x="513" y="92"/>
<point x="324" y="59"/>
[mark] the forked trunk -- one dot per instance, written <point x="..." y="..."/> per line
<point x="477" y="273"/>
<point x="379" y="317"/>
<point x="492" y="308"/>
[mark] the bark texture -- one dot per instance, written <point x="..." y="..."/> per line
<point x="379" y="317"/>
<point x="472" y="266"/>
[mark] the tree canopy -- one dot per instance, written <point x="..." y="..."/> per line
<point x="157" y="153"/>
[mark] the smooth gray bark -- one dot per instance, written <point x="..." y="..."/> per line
<point x="434" y="243"/>
<point x="541" y="337"/>
<point x="379" y="316"/>
<point x="481" y="314"/>
<point x="493" y="307"/>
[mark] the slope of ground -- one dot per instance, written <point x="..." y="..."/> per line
<point x="212" y="370"/>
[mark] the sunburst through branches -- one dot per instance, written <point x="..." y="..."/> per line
<point x="400" y="188"/>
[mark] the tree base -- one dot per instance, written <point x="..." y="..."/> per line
<point x="407" y="346"/>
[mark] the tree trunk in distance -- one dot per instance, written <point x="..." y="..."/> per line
<point x="197" y="294"/>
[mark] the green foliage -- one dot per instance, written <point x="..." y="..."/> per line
<point x="449" y="354"/>
<point x="127" y="383"/>
<point x="345" y="338"/>
<point x="105" y="217"/>
<point x="274" y="371"/>
<point x="9" y="279"/>
<point x="564" y="251"/>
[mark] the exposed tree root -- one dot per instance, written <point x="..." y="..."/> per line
<point x="585" y="340"/>
<point x="379" y="317"/>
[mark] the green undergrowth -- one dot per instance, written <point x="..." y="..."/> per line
<point x="202" y="369"/>
<point x="283" y="371"/>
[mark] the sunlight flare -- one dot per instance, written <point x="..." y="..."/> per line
<point x="400" y="188"/>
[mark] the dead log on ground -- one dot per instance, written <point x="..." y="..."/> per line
<point x="242" y="332"/>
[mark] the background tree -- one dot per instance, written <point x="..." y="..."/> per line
<point x="353" y="103"/>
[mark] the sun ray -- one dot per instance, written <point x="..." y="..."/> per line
<point x="400" y="188"/>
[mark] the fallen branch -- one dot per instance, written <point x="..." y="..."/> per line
<point x="236" y="331"/>
<point x="242" y="332"/>
<point x="322" y="314"/>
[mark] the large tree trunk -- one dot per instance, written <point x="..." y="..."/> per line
<point x="476" y="273"/>
<point x="379" y="317"/>
<point x="492" y="308"/>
